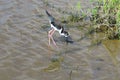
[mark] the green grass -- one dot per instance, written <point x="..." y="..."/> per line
<point x="110" y="9"/>
<point x="105" y="12"/>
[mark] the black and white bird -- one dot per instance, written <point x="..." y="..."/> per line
<point x="56" y="26"/>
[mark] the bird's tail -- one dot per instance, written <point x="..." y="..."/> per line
<point x="50" y="16"/>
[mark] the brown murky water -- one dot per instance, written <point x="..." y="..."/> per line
<point x="24" y="50"/>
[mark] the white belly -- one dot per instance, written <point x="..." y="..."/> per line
<point x="59" y="30"/>
<point x="54" y="27"/>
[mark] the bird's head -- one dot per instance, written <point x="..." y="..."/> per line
<point x="67" y="37"/>
<point x="65" y="34"/>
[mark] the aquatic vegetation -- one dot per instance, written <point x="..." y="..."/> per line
<point x="74" y="18"/>
<point x="78" y="6"/>
<point x="54" y="65"/>
<point x="77" y="15"/>
<point x="105" y="12"/>
<point x="108" y="13"/>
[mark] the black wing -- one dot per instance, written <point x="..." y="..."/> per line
<point x="57" y="25"/>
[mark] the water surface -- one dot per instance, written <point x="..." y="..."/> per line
<point x="26" y="55"/>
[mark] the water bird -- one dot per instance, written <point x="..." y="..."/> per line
<point x="56" y="26"/>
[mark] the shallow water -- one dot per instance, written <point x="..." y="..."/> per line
<point x="24" y="50"/>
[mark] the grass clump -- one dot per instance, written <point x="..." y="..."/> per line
<point x="104" y="17"/>
<point x="107" y="12"/>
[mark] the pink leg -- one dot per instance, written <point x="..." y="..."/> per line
<point x="51" y="32"/>
<point x="49" y="35"/>
<point x="52" y="38"/>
